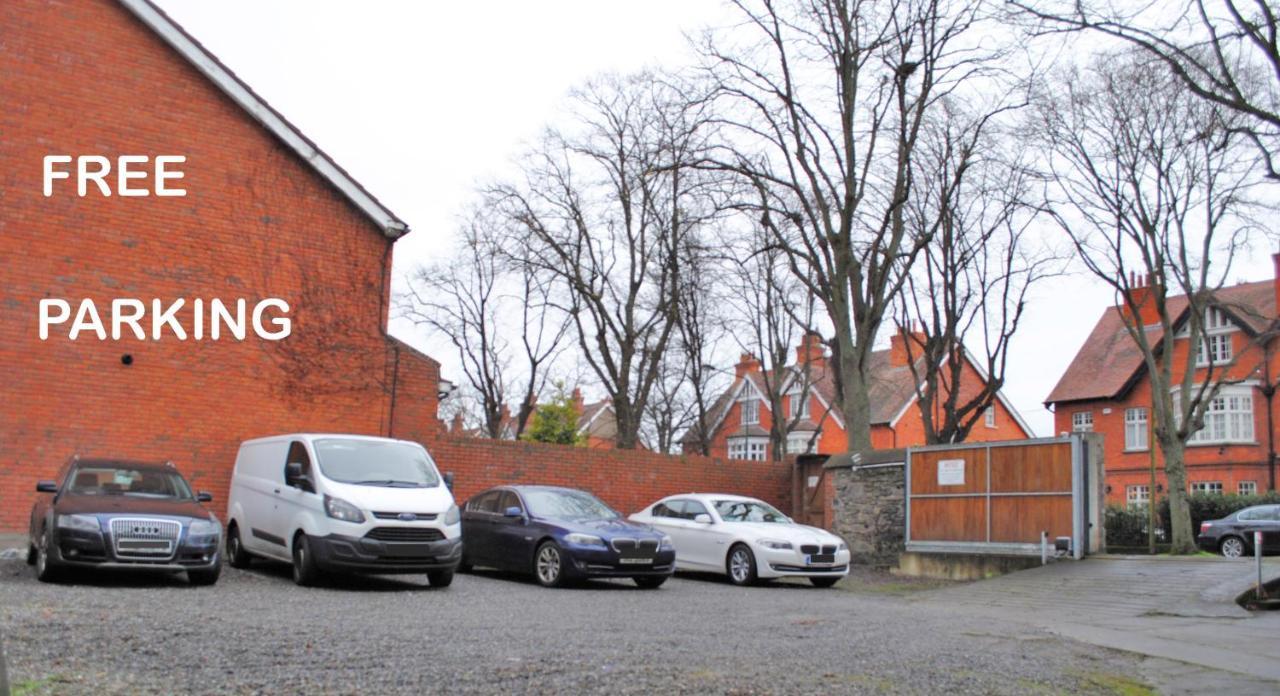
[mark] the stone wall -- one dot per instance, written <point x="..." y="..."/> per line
<point x="869" y="510"/>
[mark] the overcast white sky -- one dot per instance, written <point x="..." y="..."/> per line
<point x="419" y="101"/>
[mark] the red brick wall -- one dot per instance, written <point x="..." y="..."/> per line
<point x="87" y="78"/>
<point x="626" y="479"/>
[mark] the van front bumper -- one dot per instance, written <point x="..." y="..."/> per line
<point x="341" y="552"/>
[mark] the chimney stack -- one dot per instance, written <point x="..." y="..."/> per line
<point x="1140" y="293"/>
<point x="746" y="363"/>
<point x="899" y="356"/>
<point x="810" y="351"/>
<point x="578" y="404"/>
<point x="455" y="426"/>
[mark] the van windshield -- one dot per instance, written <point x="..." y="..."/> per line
<point x="376" y="463"/>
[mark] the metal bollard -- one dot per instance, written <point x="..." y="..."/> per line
<point x="1044" y="548"/>
<point x="1259" y="592"/>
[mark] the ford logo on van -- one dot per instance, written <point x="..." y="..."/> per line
<point x="407" y="516"/>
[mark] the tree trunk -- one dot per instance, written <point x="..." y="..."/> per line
<point x="1175" y="469"/>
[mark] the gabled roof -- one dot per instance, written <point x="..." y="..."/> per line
<point x="597" y="420"/>
<point x="262" y="112"/>
<point x="1109" y="362"/>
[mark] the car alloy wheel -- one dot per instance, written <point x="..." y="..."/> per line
<point x="741" y="565"/>
<point x="45" y="571"/>
<point x="547" y="564"/>
<point x="1232" y="547"/>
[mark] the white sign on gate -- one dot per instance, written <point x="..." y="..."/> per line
<point x="951" y="472"/>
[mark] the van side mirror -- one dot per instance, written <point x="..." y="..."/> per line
<point x="46" y="487"/>
<point x="702" y="518"/>
<point x="448" y="480"/>
<point x="293" y="476"/>
<point x="204" y="497"/>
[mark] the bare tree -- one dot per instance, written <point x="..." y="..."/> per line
<point x="969" y="288"/>
<point x="699" y="322"/>
<point x="603" y="211"/>
<point x="1149" y="183"/>
<point x="1224" y="51"/>
<point x="467" y="299"/>
<point x="828" y="109"/>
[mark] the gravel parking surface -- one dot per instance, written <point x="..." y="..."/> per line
<point x="255" y="632"/>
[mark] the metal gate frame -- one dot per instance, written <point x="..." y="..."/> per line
<point x="1079" y="501"/>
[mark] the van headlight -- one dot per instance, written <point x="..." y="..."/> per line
<point x="339" y="509"/>
<point x="80" y="523"/>
<point x="775" y="544"/>
<point x="453" y="515"/>
<point x="205" y="528"/>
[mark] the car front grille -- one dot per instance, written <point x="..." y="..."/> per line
<point x="144" y="538"/>
<point x="627" y="544"/>
<point x="410" y="516"/>
<point x="814" y="549"/>
<point x="405" y="534"/>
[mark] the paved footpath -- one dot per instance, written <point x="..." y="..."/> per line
<point x="1177" y="610"/>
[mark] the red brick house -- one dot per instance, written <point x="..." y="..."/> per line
<point x="1106" y="389"/>
<point x="740" y="419"/>
<point x="266" y="215"/>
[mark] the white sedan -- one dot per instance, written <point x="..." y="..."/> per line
<point x="746" y="539"/>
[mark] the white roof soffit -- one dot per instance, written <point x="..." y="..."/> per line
<point x="239" y="92"/>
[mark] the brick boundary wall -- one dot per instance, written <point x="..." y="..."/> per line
<point x="625" y="479"/>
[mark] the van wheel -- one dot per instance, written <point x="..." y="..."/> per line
<point x="237" y="556"/>
<point x="440" y="578"/>
<point x="305" y="572"/>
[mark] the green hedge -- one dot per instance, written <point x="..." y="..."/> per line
<point x="1127" y="527"/>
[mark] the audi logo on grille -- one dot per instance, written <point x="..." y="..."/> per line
<point x="145" y="530"/>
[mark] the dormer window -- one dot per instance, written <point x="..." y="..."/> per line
<point x="1215" y="348"/>
<point x="750" y="411"/>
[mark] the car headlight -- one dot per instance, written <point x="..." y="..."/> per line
<point x="666" y="544"/>
<point x="584" y="539"/>
<point x="453" y="516"/>
<point x="80" y="523"/>
<point x="842" y="546"/>
<point x="339" y="509"/>
<point x="205" y="528"/>
<point x="775" y="544"/>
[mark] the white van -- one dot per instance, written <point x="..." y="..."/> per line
<point x="342" y="502"/>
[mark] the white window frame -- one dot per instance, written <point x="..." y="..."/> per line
<point x="1214" y="487"/>
<point x="1082" y="422"/>
<point x="799" y="442"/>
<point x="1217" y="345"/>
<point x="799" y="401"/>
<point x="754" y="410"/>
<point x="989" y="416"/>
<point x="1136" y="432"/>
<point x="1246" y="488"/>
<point x="749" y="448"/>
<point x="1138" y="495"/>
<point x="1229" y="419"/>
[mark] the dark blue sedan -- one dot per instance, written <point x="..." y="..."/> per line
<point x="561" y="535"/>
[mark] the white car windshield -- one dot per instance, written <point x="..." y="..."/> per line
<point x="749" y="511"/>
<point x="376" y="463"/>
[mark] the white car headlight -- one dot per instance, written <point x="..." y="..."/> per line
<point x="842" y="546"/>
<point x="80" y="523"/>
<point x="339" y="509"/>
<point x="584" y="539"/>
<point x="775" y="544"/>
<point x="205" y="528"/>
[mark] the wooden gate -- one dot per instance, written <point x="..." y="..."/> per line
<point x="997" y="497"/>
<point x="811" y="491"/>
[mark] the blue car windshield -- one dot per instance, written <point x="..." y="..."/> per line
<point x="135" y="483"/>
<point x="567" y="505"/>
<point x="376" y="463"/>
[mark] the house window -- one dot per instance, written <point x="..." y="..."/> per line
<point x="1135" y="428"/>
<point x="1082" y="422"/>
<point x="1214" y="487"/>
<point x="749" y="448"/>
<point x="1247" y="488"/>
<point x="750" y="412"/>
<point x="989" y="418"/>
<point x="1216" y="320"/>
<point x="1227" y="418"/>
<point x="1137" y="496"/>
<point x="800" y="443"/>
<point x="1216" y="346"/>
<point x="798" y="405"/>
